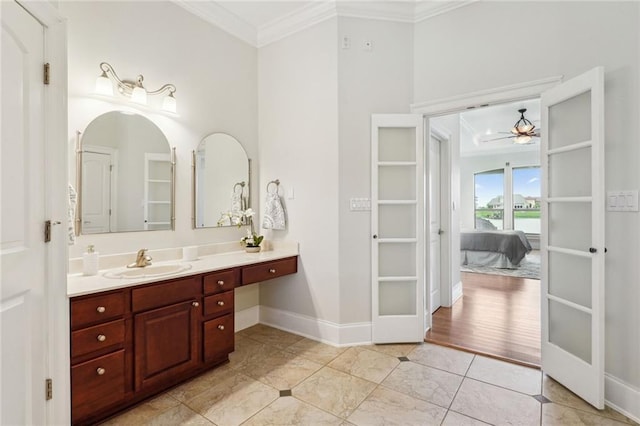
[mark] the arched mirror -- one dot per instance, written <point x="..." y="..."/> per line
<point x="221" y="180"/>
<point x="125" y="176"/>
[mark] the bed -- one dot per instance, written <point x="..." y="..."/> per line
<point x="499" y="249"/>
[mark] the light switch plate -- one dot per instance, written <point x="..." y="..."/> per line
<point x="622" y="201"/>
<point x="360" y="204"/>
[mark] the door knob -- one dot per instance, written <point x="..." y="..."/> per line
<point x="196" y="304"/>
<point x="593" y="250"/>
<point x="375" y="236"/>
<point x="101" y="337"/>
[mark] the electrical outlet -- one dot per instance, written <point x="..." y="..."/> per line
<point x="359" y="204"/>
<point x="346" y="42"/>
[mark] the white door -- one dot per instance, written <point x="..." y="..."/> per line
<point x="96" y="192"/>
<point x="22" y="251"/>
<point x="434" y="207"/>
<point x="397" y="228"/>
<point x="572" y="243"/>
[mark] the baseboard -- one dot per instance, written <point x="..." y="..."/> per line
<point x="246" y="318"/>
<point x="622" y="397"/>
<point x="316" y="329"/>
<point x="456" y="292"/>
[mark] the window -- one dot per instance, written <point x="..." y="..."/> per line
<point x="489" y="199"/>
<point x="526" y="199"/>
<point x="520" y="194"/>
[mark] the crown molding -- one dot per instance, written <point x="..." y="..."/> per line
<point x="316" y="12"/>
<point x="428" y="9"/>
<point x="295" y="21"/>
<point x="219" y="16"/>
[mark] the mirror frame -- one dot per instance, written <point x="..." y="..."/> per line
<point x="78" y="219"/>
<point x="194" y="206"/>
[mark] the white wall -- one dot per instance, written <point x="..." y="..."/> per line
<point x="298" y="101"/>
<point x="481" y="163"/>
<point x="458" y="52"/>
<point x="376" y="81"/>
<point x="216" y="79"/>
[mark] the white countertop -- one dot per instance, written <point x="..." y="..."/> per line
<point x="78" y="284"/>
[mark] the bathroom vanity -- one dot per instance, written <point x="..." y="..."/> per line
<point x="133" y="338"/>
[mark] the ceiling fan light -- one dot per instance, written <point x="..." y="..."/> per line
<point x="526" y="128"/>
<point x="522" y="139"/>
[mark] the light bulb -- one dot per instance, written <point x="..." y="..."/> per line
<point x="169" y="103"/>
<point x="104" y="86"/>
<point x="522" y="139"/>
<point x="139" y="95"/>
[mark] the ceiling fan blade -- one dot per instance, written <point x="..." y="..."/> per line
<point x="495" y="139"/>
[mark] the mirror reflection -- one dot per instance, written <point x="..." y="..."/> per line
<point x="126" y="175"/>
<point x="221" y="180"/>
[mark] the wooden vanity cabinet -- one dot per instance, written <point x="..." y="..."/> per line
<point x="130" y="344"/>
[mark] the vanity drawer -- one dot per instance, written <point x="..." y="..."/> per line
<point x="268" y="270"/>
<point x="220" y="281"/>
<point x="158" y="295"/>
<point x="218" y="303"/>
<point x="95" y="309"/>
<point x="218" y="338"/>
<point x="97" y="384"/>
<point x="97" y="337"/>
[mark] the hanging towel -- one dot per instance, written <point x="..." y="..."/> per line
<point x="71" y="216"/>
<point x="273" y="212"/>
<point x="236" y="203"/>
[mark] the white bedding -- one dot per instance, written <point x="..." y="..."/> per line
<point x="486" y="258"/>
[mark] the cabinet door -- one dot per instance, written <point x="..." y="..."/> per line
<point x="218" y="338"/>
<point x="166" y="343"/>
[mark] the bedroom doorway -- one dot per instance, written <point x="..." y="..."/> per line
<point x="496" y="298"/>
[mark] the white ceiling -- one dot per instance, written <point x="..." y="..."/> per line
<point x="481" y="124"/>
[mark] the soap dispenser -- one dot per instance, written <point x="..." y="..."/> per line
<point x="90" y="261"/>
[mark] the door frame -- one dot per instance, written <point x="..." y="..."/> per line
<point x="56" y="204"/>
<point x="457" y="104"/>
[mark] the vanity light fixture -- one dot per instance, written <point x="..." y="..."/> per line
<point x="134" y="89"/>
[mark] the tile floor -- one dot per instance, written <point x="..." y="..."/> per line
<point x="278" y="378"/>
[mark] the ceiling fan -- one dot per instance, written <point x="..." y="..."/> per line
<point x="522" y="132"/>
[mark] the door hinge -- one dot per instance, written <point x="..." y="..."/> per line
<point x="47" y="70"/>
<point x="48" y="389"/>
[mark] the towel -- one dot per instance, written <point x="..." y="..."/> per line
<point x="236" y="203"/>
<point x="71" y="216"/>
<point x="273" y="212"/>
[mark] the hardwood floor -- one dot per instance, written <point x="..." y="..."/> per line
<point x="497" y="316"/>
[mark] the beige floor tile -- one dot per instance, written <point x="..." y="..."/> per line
<point x="248" y="350"/>
<point x="180" y="415"/>
<point x="555" y="414"/>
<point x="274" y="337"/>
<point x="196" y="386"/>
<point x="143" y="413"/>
<point x="366" y="364"/>
<point x="315" y="351"/>
<point x="233" y="400"/>
<point x="426" y="383"/>
<point x="441" y="357"/>
<point x="457" y="419"/>
<point x="388" y="407"/>
<point x="393" y="349"/>
<point x="495" y="405"/>
<point x="282" y="370"/>
<point x="334" y="391"/>
<point x="291" y="411"/>
<point x="561" y="395"/>
<point x="506" y="374"/>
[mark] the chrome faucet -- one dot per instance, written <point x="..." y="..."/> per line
<point x="142" y="259"/>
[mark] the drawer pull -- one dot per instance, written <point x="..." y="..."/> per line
<point x="101" y="337"/>
<point x="220" y="327"/>
<point x="272" y="271"/>
<point x="220" y="303"/>
<point x="196" y="304"/>
<point x="101" y="309"/>
<point x="220" y="282"/>
<point x="100" y="371"/>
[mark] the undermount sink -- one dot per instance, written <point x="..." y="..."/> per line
<point x="149" y="271"/>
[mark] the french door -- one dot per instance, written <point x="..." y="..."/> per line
<point x="397" y="228"/>
<point x="572" y="242"/>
